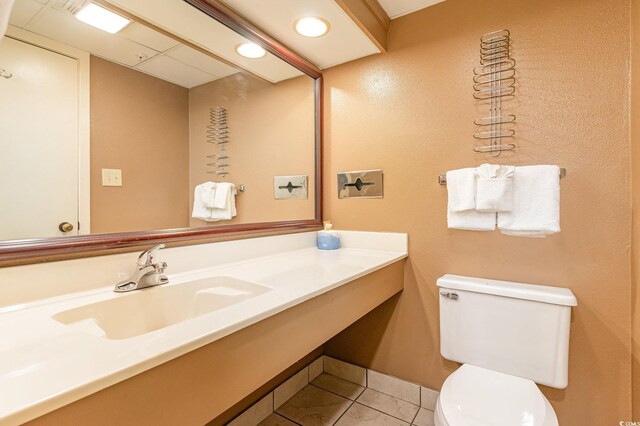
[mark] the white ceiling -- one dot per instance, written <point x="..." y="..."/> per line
<point x="397" y="8"/>
<point x="144" y="49"/>
<point x="137" y="46"/>
<point x="187" y="22"/>
<point x="147" y="50"/>
<point x="345" y="41"/>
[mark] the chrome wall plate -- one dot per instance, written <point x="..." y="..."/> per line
<point x="290" y="187"/>
<point x="360" y="184"/>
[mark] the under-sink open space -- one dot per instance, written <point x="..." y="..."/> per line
<point x="151" y="309"/>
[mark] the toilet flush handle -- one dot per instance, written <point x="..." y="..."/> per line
<point x="449" y="294"/>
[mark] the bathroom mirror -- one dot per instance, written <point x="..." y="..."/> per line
<point x="137" y="121"/>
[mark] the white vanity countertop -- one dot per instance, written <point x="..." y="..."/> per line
<point x="46" y="364"/>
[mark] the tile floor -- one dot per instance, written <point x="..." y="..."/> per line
<point x="330" y="400"/>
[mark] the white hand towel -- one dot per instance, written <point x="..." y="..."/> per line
<point x="494" y="190"/>
<point x="200" y="210"/>
<point x="225" y="196"/>
<point x="461" y="189"/>
<point x="471" y="220"/>
<point x="536" y="203"/>
<point x="208" y="194"/>
<point x="222" y="197"/>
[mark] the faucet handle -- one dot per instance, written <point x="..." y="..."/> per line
<point x="146" y="257"/>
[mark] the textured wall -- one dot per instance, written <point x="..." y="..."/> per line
<point x="635" y="166"/>
<point x="271" y="132"/>
<point x="139" y="124"/>
<point x="411" y="113"/>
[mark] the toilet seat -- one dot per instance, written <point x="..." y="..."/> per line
<point x="474" y="396"/>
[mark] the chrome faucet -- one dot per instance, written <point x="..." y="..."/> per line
<point x="148" y="273"/>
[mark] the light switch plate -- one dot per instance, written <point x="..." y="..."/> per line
<point x="360" y="184"/>
<point x="290" y="187"/>
<point x="111" y="177"/>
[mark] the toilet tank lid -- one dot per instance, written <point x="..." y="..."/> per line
<point x="534" y="292"/>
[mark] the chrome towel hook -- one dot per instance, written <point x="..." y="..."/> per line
<point x="6" y="74"/>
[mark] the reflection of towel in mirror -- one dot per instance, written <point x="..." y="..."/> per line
<point x="5" y="12"/>
<point x="214" y="201"/>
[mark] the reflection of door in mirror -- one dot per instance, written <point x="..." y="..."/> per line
<point x="38" y="142"/>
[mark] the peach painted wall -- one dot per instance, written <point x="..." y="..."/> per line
<point x="411" y="111"/>
<point x="139" y="124"/>
<point x="635" y="166"/>
<point x="271" y="132"/>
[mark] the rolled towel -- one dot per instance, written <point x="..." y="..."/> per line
<point x="461" y="189"/>
<point x="536" y="203"/>
<point x="494" y="188"/>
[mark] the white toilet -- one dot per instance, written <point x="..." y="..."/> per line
<point x="508" y="336"/>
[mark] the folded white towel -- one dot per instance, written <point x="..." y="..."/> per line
<point x="5" y="13"/>
<point x="536" y="203"/>
<point x="200" y="210"/>
<point x="494" y="188"/>
<point x="471" y="220"/>
<point x="461" y="189"/>
<point x="223" y="197"/>
<point x="206" y="194"/>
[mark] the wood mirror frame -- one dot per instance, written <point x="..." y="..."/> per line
<point x="16" y="252"/>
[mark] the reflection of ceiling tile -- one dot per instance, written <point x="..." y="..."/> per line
<point x="66" y="29"/>
<point x="23" y="11"/>
<point x="201" y="61"/>
<point x="184" y="20"/>
<point x="397" y="8"/>
<point x="145" y="36"/>
<point x="169" y="69"/>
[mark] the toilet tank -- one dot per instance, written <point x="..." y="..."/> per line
<point x="514" y="328"/>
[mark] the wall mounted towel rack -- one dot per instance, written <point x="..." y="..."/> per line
<point x="218" y="135"/>
<point x="493" y="82"/>
<point x="442" y="179"/>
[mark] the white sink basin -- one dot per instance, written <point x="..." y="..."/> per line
<point x="142" y="311"/>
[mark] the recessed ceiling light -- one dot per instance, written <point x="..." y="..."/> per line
<point x="311" y="26"/>
<point x="99" y="17"/>
<point x="250" y="50"/>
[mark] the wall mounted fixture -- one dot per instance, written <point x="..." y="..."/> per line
<point x="442" y="179"/>
<point x="250" y="50"/>
<point x="290" y="187"/>
<point x="101" y="18"/>
<point x="360" y="184"/>
<point x="311" y="26"/>
<point x="494" y="82"/>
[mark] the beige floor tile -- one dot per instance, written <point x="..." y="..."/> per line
<point x="315" y="368"/>
<point x="344" y="370"/>
<point x="359" y="414"/>
<point x="428" y="398"/>
<point x="313" y="406"/>
<point x="256" y="413"/>
<point x="393" y="386"/>
<point x="276" y="420"/>
<point x="424" y="418"/>
<point x="337" y="385"/>
<point x="388" y="404"/>
<point x="293" y="385"/>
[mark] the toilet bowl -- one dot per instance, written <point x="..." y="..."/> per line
<point x="475" y="396"/>
<point x="508" y="336"/>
